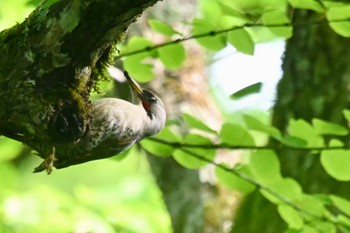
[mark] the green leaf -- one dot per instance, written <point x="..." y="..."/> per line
<point x="303" y="130"/>
<point x="212" y="42"/>
<point x="309" y="229"/>
<point x="134" y="64"/>
<point x="193" y="122"/>
<point x="158" y="148"/>
<point x="323" y="227"/>
<point x="251" y="89"/>
<point x="265" y="166"/>
<point x="241" y="40"/>
<point x="344" y="222"/>
<point x="341" y="203"/>
<point x="136" y="44"/>
<point x="235" y="135"/>
<point x="312" y="204"/>
<point x="336" y="162"/>
<point x="346" y="113"/>
<point x="234" y="182"/>
<point x="308" y="4"/>
<point x="172" y="56"/>
<point x="162" y="27"/>
<point x="140" y="72"/>
<point x="293" y="141"/>
<point x="251" y="9"/>
<point x="328" y="128"/>
<point x="211" y="12"/>
<point x="189" y="157"/>
<point x="340" y="13"/>
<point x="286" y="188"/>
<point x="289" y="230"/>
<point x="274" y="18"/>
<point x="257" y="125"/>
<point x="290" y="216"/>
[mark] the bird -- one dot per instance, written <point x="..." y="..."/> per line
<point x="116" y="126"/>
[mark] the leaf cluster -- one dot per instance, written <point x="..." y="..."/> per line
<point x="260" y="170"/>
<point x="240" y="24"/>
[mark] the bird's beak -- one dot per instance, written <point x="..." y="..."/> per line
<point x="133" y="84"/>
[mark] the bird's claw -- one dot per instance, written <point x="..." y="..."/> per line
<point x="48" y="163"/>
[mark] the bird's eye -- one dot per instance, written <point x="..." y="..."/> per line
<point x="153" y="99"/>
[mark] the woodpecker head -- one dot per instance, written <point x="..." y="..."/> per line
<point x="152" y="104"/>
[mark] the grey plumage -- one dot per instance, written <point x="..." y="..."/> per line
<point x="116" y="126"/>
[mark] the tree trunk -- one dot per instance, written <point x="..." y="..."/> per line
<point x="51" y="62"/>
<point x="314" y="84"/>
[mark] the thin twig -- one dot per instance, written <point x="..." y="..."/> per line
<point x="214" y="33"/>
<point x="242" y="147"/>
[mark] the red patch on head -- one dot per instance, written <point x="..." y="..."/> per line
<point x="146" y="105"/>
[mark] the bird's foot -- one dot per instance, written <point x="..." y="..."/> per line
<point x="48" y="163"/>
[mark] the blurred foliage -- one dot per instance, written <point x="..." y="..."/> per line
<point x="82" y="198"/>
<point x="9" y="16"/>
<point x="85" y="198"/>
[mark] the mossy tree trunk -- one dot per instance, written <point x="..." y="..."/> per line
<point x="315" y="84"/>
<point x="51" y="62"/>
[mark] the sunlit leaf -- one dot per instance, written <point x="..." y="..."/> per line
<point x="241" y="40"/>
<point x="192" y="157"/>
<point x="290" y="230"/>
<point x="303" y="130"/>
<point x="338" y="18"/>
<point x="346" y="113"/>
<point x="172" y="56"/>
<point x="283" y="189"/>
<point x="211" y="12"/>
<point x="136" y="44"/>
<point x="265" y="166"/>
<point x="272" y="19"/>
<point x="212" y="42"/>
<point x="308" y="4"/>
<point x="137" y="70"/>
<point x="290" y="216"/>
<point x="312" y="204"/>
<point x="258" y="125"/>
<point x="235" y="135"/>
<point x="323" y="227"/>
<point x="135" y="64"/>
<point x="293" y="141"/>
<point x="193" y="122"/>
<point x="232" y="181"/>
<point x="328" y="128"/>
<point x="251" y="9"/>
<point x="336" y="162"/>
<point x="251" y="89"/>
<point x="341" y="203"/>
<point x="310" y="229"/>
<point x="344" y="221"/>
<point x="162" y="27"/>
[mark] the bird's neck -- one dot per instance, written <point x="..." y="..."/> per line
<point x="155" y="122"/>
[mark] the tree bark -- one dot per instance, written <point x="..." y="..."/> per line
<point x="51" y="62"/>
<point x="314" y="84"/>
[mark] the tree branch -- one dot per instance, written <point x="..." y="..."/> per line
<point x="241" y="147"/>
<point x="223" y="31"/>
